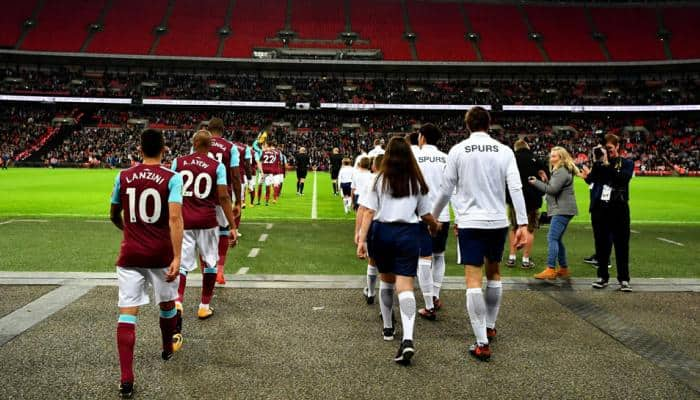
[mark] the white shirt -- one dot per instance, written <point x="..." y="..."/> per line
<point x="432" y="163"/>
<point x="377" y="150"/>
<point x="345" y="174"/>
<point x="479" y="168"/>
<point x="361" y="180"/>
<point x="391" y="209"/>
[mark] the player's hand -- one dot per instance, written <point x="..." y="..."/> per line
<point x="232" y="238"/>
<point x="357" y="237"/>
<point x="455" y="229"/>
<point x="173" y="270"/>
<point x="522" y="235"/>
<point x="362" y="250"/>
<point x="435" y="228"/>
<point x="543" y="176"/>
<point x="236" y="210"/>
<point x="583" y="173"/>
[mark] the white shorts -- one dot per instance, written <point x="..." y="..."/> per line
<point x="221" y="217"/>
<point x="269" y="179"/>
<point x="204" y="242"/>
<point x="252" y="182"/>
<point x="279" y="178"/>
<point x="134" y="283"/>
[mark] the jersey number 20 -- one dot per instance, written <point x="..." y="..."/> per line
<point x="197" y="191"/>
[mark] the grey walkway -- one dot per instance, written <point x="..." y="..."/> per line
<point x="335" y="282"/>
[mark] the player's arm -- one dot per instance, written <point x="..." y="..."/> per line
<point x="248" y="163"/>
<point x="225" y="200"/>
<point x="369" y="201"/>
<point x="515" y="188"/>
<point x="235" y="177"/>
<point x="358" y="222"/>
<point x="176" y="223"/>
<point x="449" y="182"/>
<point x="115" y="210"/>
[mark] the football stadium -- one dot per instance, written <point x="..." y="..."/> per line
<point x="329" y="199"/>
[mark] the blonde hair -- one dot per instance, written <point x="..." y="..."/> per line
<point x="520" y="144"/>
<point x="565" y="160"/>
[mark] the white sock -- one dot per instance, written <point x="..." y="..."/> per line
<point x="494" y="291"/>
<point x="438" y="272"/>
<point x="526" y="259"/>
<point x="425" y="281"/>
<point x="386" y="302"/>
<point x="204" y="306"/>
<point x="371" y="280"/>
<point x="512" y="257"/>
<point x="476" y="308"/>
<point x="407" y="304"/>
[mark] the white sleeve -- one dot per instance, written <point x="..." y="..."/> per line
<point x="370" y="197"/>
<point x="449" y="181"/>
<point x="423" y="206"/>
<point x="515" y="187"/>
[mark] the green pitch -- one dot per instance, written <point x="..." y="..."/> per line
<point x="56" y="220"/>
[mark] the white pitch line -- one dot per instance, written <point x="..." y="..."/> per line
<point x="633" y="231"/>
<point x="38" y="310"/>
<point x="41" y="221"/>
<point x="242" y="271"/>
<point x="263" y="237"/>
<point x="253" y="252"/>
<point x="314" y="200"/>
<point x="269" y="226"/>
<point x="9" y="221"/>
<point x="670" y="241"/>
<point x="98" y="221"/>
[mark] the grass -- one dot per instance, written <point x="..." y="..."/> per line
<point x="76" y="235"/>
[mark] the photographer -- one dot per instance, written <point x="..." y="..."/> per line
<point x="610" y="213"/>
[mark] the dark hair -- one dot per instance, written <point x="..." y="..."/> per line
<point x="431" y="133"/>
<point x="152" y="142"/>
<point x="412" y="138"/>
<point x="400" y="170"/>
<point x="478" y="120"/>
<point x="216" y="125"/>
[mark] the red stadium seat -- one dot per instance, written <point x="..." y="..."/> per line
<point x="128" y="28"/>
<point x="192" y="29"/>
<point x="62" y="25"/>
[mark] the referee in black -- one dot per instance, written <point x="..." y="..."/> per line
<point x="610" y="211"/>
<point x="335" y="161"/>
<point x="302" y="161"/>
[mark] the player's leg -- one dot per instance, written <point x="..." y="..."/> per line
<point x="223" y="245"/>
<point x="261" y="182"/>
<point x="251" y="188"/>
<point x="494" y="253"/>
<point x="166" y="294"/>
<point x="132" y="294"/>
<point x="386" y="303"/>
<point x="472" y="251"/>
<point x="188" y="263"/>
<point x="233" y="199"/>
<point x="371" y="289"/>
<point x="405" y="267"/>
<point x="301" y="185"/>
<point x="425" y="273"/>
<point x="268" y="184"/>
<point x="207" y="240"/>
<point x="439" y="247"/>
<point x="512" y="250"/>
<point x="407" y="308"/>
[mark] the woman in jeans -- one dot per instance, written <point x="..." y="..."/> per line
<point x="561" y="206"/>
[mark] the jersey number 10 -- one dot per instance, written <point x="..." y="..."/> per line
<point x="143" y="200"/>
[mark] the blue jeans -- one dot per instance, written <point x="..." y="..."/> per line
<point x="555" y="245"/>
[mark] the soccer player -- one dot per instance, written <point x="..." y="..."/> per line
<point x="302" y="164"/>
<point x="360" y="180"/>
<point x="432" y="162"/>
<point x="336" y="160"/>
<point x="256" y="178"/>
<point x="204" y="182"/>
<point x="345" y="179"/>
<point x="378" y="148"/>
<point x="479" y="167"/>
<point x="245" y="158"/>
<point x="281" y="170"/>
<point x="270" y="166"/>
<point x="226" y="153"/>
<point x="394" y="203"/>
<point x="150" y="196"/>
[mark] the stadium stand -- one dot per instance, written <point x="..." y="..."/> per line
<point x="631" y="33"/>
<point x="562" y="26"/>
<point x="317" y="19"/>
<point x="252" y="22"/>
<point x="379" y="21"/>
<point x="129" y="27"/>
<point x="192" y="29"/>
<point x="503" y="34"/>
<point x="685" y="31"/>
<point x="12" y="20"/>
<point x="441" y="32"/>
<point x="62" y="25"/>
